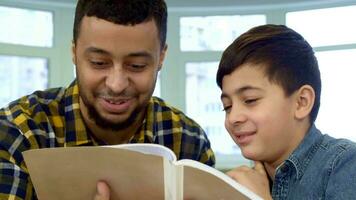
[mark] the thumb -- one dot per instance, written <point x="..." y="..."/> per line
<point x="259" y="167"/>
<point x="102" y="191"/>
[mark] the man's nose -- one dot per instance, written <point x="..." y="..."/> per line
<point x="117" y="79"/>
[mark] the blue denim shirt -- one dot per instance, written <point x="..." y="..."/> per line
<point x="321" y="167"/>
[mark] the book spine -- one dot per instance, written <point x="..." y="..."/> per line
<point x="173" y="181"/>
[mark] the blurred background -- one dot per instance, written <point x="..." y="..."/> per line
<point x="35" y="41"/>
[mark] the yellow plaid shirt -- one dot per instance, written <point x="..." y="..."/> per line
<point x="52" y="118"/>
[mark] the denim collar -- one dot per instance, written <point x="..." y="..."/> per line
<point x="306" y="150"/>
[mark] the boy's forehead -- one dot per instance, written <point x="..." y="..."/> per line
<point x="248" y="72"/>
<point x="242" y="76"/>
<point x="247" y="76"/>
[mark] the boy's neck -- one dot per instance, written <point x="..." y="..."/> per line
<point x="302" y="129"/>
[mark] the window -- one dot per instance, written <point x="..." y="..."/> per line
<point x="214" y="33"/>
<point x="204" y="105"/>
<point x="157" y="91"/>
<point x="14" y="70"/>
<point x="211" y="34"/>
<point x="337" y="110"/>
<point x="324" y="27"/>
<point x="334" y="40"/>
<point x="26" y="27"/>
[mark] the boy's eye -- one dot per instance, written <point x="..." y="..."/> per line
<point x="227" y="109"/>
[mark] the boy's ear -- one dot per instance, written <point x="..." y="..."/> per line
<point x="305" y="101"/>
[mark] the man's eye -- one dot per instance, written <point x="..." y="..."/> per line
<point x="98" y="63"/>
<point x="137" y="67"/>
<point x="250" y="101"/>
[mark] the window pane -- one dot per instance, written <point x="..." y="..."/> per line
<point x="21" y="76"/>
<point x="157" y="91"/>
<point x="204" y="105"/>
<point x="324" y="27"/>
<point x="337" y="110"/>
<point x="214" y="32"/>
<point x="26" y="27"/>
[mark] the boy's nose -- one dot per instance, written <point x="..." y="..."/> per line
<point x="236" y="116"/>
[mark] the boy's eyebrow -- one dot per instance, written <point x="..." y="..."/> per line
<point x="240" y="90"/>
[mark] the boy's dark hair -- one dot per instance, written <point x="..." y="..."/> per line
<point x="123" y="12"/>
<point x="287" y="57"/>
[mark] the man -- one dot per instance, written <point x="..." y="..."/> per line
<point x="118" y="48"/>
<point x="271" y="88"/>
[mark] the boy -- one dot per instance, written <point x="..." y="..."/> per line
<point x="271" y="87"/>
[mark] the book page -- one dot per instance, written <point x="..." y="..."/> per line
<point x="72" y="173"/>
<point x="204" y="182"/>
<point x="146" y="148"/>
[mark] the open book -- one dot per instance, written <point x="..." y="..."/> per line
<point x="133" y="171"/>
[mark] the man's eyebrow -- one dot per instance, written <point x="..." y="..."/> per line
<point x="240" y="90"/>
<point x="104" y="52"/>
<point x="140" y="54"/>
<point x="96" y="50"/>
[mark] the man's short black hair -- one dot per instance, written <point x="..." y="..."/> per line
<point x="123" y="12"/>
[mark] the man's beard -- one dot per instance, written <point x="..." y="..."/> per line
<point x="105" y="124"/>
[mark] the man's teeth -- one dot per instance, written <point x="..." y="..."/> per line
<point x="116" y="102"/>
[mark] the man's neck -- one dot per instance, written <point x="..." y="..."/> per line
<point x="110" y="136"/>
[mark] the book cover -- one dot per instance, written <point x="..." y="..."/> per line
<point x="133" y="171"/>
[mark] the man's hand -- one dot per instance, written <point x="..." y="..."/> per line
<point x="102" y="191"/>
<point x="255" y="179"/>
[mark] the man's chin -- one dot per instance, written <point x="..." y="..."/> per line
<point x="113" y="122"/>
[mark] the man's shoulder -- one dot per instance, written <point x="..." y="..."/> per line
<point x="30" y="105"/>
<point x="31" y="116"/>
<point x="168" y="112"/>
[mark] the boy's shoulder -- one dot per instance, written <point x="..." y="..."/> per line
<point x="320" y="153"/>
<point x="337" y="154"/>
<point x="338" y="146"/>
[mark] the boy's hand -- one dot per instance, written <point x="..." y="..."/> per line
<point x="102" y="191"/>
<point x="254" y="179"/>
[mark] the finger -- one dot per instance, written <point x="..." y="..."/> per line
<point x="102" y="191"/>
<point x="259" y="167"/>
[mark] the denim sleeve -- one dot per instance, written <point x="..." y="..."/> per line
<point x="342" y="181"/>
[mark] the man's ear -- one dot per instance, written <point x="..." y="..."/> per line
<point x="162" y="57"/>
<point x="305" y="101"/>
<point x="74" y="60"/>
